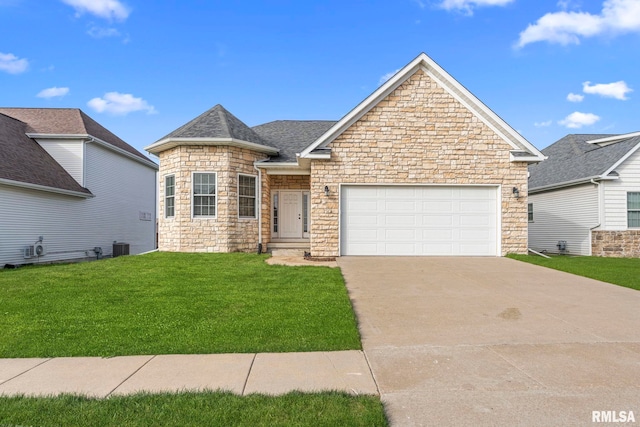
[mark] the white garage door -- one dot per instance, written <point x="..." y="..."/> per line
<point x="418" y="220"/>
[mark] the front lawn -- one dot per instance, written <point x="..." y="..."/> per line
<point x="619" y="271"/>
<point x="173" y="303"/>
<point x="195" y="409"/>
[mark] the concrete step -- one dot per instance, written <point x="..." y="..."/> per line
<point x="288" y="252"/>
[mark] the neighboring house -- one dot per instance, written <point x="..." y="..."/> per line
<point x="585" y="198"/>
<point x="420" y="167"/>
<point x="69" y="188"/>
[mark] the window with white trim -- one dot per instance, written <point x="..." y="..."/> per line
<point x="169" y="196"/>
<point x="633" y="209"/>
<point x="204" y="194"/>
<point x="246" y="196"/>
<point x="530" y="212"/>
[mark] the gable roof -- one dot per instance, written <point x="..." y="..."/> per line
<point x="292" y="136"/>
<point x="524" y="149"/>
<point x="575" y="159"/>
<point x="67" y="122"/>
<point x="214" y="127"/>
<point x="25" y="163"/>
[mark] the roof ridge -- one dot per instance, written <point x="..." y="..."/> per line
<point x="224" y="119"/>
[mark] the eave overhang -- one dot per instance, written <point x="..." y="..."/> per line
<point x="580" y="181"/>
<point x="48" y="189"/>
<point x="168" y="143"/>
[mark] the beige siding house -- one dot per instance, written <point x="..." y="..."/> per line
<point x="420" y="167"/>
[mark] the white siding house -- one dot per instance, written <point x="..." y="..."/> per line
<point x="567" y="215"/>
<point x="71" y="194"/>
<point x="585" y="194"/>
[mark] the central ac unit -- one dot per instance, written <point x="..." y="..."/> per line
<point x="29" y="251"/>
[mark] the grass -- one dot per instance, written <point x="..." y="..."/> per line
<point x="619" y="271"/>
<point x="195" y="409"/>
<point x="173" y="303"/>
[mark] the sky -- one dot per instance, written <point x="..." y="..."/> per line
<point x="142" y="68"/>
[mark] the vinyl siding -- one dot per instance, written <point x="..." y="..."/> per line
<point x="70" y="155"/>
<point x="72" y="226"/>
<point x="566" y="214"/>
<point x="615" y="194"/>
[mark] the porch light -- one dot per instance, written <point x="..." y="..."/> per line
<point x="516" y="192"/>
<point x="326" y="190"/>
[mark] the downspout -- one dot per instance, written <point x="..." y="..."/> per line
<point x="597" y="184"/>
<point x="259" y="207"/>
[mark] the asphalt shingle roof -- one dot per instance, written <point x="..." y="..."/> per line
<point x="292" y="136"/>
<point x="66" y="121"/>
<point x="218" y="123"/>
<point x="24" y="160"/>
<point x="572" y="158"/>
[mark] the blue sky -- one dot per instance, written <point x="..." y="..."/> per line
<point x="143" y="68"/>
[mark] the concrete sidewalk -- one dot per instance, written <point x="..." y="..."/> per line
<point x="267" y="373"/>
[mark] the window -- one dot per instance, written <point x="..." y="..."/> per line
<point x="246" y="196"/>
<point x="169" y="196"/>
<point x="275" y="213"/>
<point x="305" y="212"/>
<point x="204" y="194"/>
<point x="530" y="212"/>
<point x="633" y="209"/>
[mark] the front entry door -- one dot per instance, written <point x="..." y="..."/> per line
<point x="291" y="214"/>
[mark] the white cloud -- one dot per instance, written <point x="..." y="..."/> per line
<point x="53" y="92"/>
<point x="617" y="90"/>
<point x="543" y="124"/>
<point x="617" y="16"/>
<point x="467" y="6"/>
<point x="120" y="104"/>
<point x="100" y="32"/>
<point x="420" y="4"/>
<point x="387" y="76"/>
<point x="12" y="64"/>
<point x="577" y="120"/>
<point x="108" y="9"/>
<point x="575" y="97"/>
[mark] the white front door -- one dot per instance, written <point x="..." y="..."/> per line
<point x="290" y="214"/>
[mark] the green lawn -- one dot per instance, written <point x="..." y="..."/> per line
<point x="169" y="303"/>
<point x="195" y="409"/>
<point x="620" y="271"/>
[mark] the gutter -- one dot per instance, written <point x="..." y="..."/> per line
<point x="45" y="188"/>
<point x="571" y="183"/>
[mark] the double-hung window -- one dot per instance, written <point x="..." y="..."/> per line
<point x="530" y="212"/>
<point x="246" y="196"/>
<point x="633" y="209"/>
<point x="169" y="196"/>
<point x="204" y="194"/>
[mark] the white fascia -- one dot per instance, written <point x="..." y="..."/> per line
<point x="528" y="159"/>
<point x="45" y="188"/>
<point x="622" y="160"/>
<point x="88" y="139"/>
<point x="572" y="183"/>
<point x="168" y="143"/>
<point x="282" y="168"/>
<point x="613" y="139"/>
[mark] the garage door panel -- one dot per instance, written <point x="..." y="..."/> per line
<point x="419" y="220"/>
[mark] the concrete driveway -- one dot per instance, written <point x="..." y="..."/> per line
<point x="494" y="341"/>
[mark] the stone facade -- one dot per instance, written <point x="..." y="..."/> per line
<point x="224" y="233"/>
<point x="616" y="244"/>
<point x="419" y="134"/>
<point x="272" y="183"/>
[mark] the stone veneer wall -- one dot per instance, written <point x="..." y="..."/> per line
<point x="616" y="244"/>
<point x="273" y="183"/>
<point x="226" y="232"/>
<point x="419" y="134"/>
